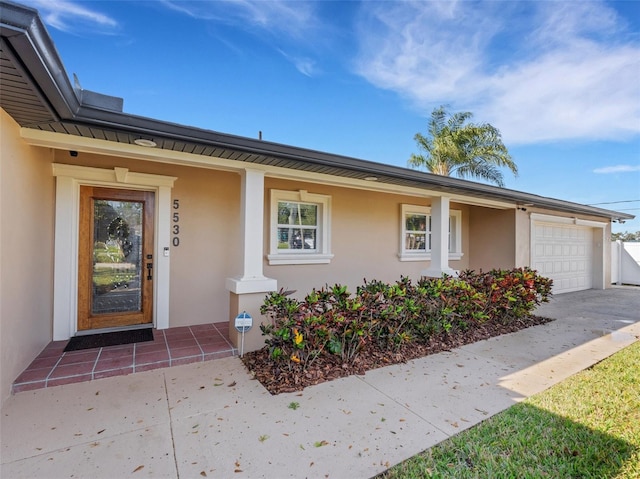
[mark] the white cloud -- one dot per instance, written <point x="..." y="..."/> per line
<point x="304" y="65"/>
<point x="617" y="169"/>
<point x="588" y="92"/>
<point x="70" y="17"/>
<point x="538" y="71"/>
<point x="281" y="21"/>
<point x="290" y="18"/>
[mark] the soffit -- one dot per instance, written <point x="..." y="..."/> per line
<point x="20" y="96"/>
<point x="36" y="92"/>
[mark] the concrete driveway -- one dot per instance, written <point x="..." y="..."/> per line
<point x="212" y="420"/>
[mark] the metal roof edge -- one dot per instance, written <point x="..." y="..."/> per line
<point x="23" y="29"/>
<point x="27" y="35"/>
<point x="151" y="127"/>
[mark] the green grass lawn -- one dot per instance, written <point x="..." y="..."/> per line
<point x="585" y="427"/>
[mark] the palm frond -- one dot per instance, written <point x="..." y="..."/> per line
<point x="456" y="146"/>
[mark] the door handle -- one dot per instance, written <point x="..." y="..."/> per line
<point x="149" y="271"/>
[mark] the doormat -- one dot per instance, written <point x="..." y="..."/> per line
<point x="109" y="339"/>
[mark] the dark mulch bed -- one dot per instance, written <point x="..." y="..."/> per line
<point x="279" y="378"/>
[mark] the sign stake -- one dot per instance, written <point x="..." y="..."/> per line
<point x="243" y="323"/>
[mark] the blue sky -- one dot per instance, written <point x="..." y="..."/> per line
<point x="559" y="79"/>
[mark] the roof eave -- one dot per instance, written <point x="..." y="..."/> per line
<point x="35" y="54"/>
<point x="156" y="128"/>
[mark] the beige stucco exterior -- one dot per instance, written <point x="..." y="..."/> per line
<point x="493" y="243"/>
<point x="209" y="225"/>
<point x="366" y="225"/>
<point x="26" y="251"/>
<point x="214" y="259"/>
<point x="365" y="239"/>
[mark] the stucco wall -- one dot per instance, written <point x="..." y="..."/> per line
<point x="492" y="238"/>
<point x="209" y="250"/>
<point x="209" y="222"/>
<point x="365" y="239"/>
<point x="26" y="252"/>
<point x="365" y="236"/>
<point x="523" y="239"/>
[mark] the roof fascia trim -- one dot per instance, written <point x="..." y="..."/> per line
<point x="62" y="141"/>
<point x="38" y="57"/>
<point x="89" y="145"/>
<point x="146" y="126"/>
<point x="24" y="31"/>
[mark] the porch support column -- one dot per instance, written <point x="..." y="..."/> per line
<point x="439" y="239"/>
<point x="248" y="290"/>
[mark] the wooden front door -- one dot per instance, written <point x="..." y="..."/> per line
<point x="115" y="272"/>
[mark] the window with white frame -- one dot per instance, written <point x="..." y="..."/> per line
<point x="415" y="241"/>
<point x="300" y="228"/>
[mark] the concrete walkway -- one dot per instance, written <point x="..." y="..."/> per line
<point x="212" y="420"/>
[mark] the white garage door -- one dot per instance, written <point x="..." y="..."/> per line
<point x="564" y="253"/>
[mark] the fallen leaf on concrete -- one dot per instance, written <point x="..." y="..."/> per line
<point x="138" y="468"/>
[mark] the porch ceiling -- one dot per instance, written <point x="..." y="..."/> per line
<point x="37" y="93"/>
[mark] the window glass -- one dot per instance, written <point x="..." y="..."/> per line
<point x="300" y="228"/>
<point x="297" y="226"/>
<point x="291" y="213"/>
<point x="416" y="239"/>
<point x="416" y="232"/>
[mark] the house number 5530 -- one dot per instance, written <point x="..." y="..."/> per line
<point x="175" y="228"/>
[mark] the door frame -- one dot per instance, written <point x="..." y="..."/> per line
<point x="69" y="178"/>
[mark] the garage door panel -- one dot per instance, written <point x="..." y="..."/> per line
<point x="564" y="254"/>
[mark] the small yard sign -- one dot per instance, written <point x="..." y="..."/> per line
<point x="244" y="321"/>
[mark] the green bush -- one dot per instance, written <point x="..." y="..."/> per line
<point x="331" y="321"/>
<point x="510" y="294"/>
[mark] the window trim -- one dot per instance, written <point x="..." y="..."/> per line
<point x="322" y="253"/>
<point x="455" y="234"/>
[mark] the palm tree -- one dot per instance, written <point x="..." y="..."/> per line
<point x="466" y="149"/>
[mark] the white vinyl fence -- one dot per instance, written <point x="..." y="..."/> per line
<point x="625" y="263"/>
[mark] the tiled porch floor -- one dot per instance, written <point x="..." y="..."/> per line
<point x="170" y="347"/>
